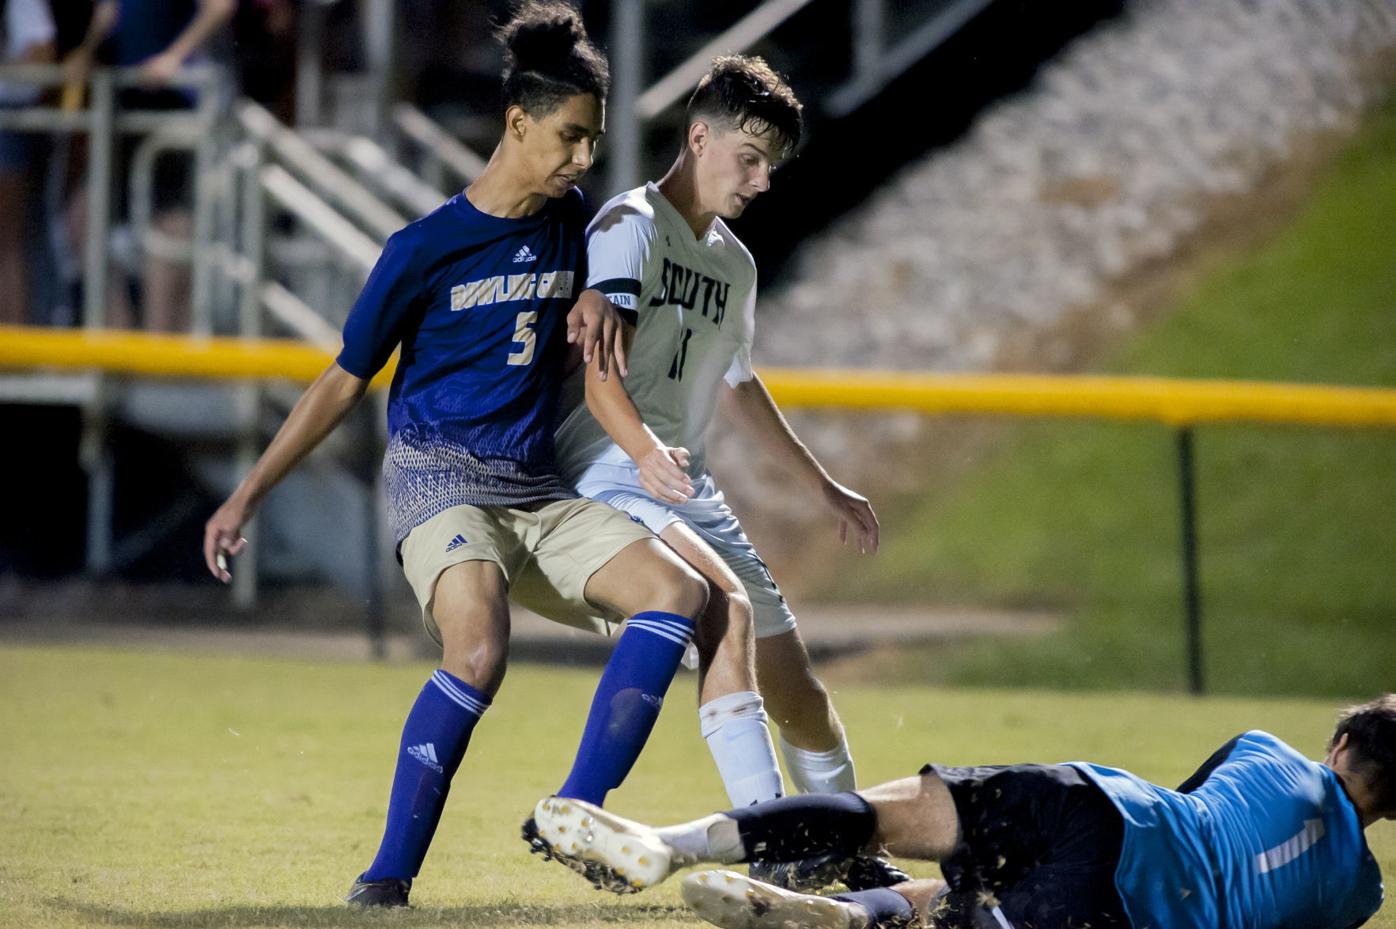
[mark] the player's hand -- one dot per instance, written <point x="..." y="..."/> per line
<point x="594" y="325"/>
<point x="223" y="538"/>
<point x="159" y="70"/>
<point x="664" y="475"/>
<point x="854" y="512"/>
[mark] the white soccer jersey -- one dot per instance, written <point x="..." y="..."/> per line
<point x="693" y="304"/>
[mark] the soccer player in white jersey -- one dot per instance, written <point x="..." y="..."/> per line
<point x="664" y="255"/>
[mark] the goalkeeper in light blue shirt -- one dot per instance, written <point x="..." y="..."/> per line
<point x="1259" y="837"/>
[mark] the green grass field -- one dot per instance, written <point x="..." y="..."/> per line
<point x="174" y="791"/>
<point x="1297" y="527"/>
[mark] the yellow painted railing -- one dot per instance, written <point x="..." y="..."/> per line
<point x="1173" y="401"/>
<point x="1182" y="404"/>
<point x="1176" y="402"/>
<point x="165" y="356"/>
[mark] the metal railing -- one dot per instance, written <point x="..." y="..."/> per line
<point x="879" y="57"/>
<point x="447" y="163"/>
<point x="343" y="194"/>
<point x="248" y="277"/>
<point x="1181" y="404"/>
<point x="103" y="124"/>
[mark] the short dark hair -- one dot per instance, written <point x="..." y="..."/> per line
<point x="1371" y="732"/>
<point x="744" y="92"/>
<point x="548" y="57"/>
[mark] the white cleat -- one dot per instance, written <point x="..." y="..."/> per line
<point x="626" y="856"/>
<point x="735" y="901"/>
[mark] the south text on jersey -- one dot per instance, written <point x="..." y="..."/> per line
<point x="685" y="287"/>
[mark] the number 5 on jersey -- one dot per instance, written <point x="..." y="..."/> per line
<point x="524" y="336"/>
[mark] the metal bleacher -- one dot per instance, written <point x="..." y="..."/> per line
<point x="288" y="220"/>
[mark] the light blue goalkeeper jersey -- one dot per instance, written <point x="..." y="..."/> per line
<point x="1269" y="840"/>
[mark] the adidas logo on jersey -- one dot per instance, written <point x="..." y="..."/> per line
<point x="455" y="543"/>
<point x="426" y="754"/>
<point x="523" y="255"/>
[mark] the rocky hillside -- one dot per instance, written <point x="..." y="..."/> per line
<point x="1124" y="148"/>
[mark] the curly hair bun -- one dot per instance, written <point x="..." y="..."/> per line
<point x="541" y="35"/>
<point x="548" y="57"/>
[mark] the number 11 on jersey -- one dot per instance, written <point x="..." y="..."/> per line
<point x="680" y="357"/>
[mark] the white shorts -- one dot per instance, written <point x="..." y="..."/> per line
<point x="708" y="515"/>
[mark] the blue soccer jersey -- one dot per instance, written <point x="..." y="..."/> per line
<point x="1268" y="840"/>
<point x="478" y="305"/>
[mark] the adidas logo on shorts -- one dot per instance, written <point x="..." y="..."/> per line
<point x="455" y="543"/>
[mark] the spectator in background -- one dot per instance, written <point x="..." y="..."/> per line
<point x="158" y="38"/>
<point x="26" y="37"/>
<point x="161" y="36"/>
<point x="82" y="28"/>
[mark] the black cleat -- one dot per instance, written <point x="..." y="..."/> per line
<point x="389" y="892"/>
<point x="813" y="874"/>
<point x="866" y="872"/>
<point x="808" y="875"/>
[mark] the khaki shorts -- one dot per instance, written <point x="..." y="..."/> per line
<point x="547" y="553"/>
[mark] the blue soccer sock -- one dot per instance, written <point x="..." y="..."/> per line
<point x="434" y="739"/>
<point x="627" y="702"/>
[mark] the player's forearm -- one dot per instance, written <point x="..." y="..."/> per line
<point x="103" y="19"/>
<point x="320" y="409"/>
<point x="210" y="18"/>
<point x="610" y="403"/>
<point x="751" y="406"/>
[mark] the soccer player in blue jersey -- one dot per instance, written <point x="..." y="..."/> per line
<point x="475" y="296"/>
<point x="1259" y="837"/>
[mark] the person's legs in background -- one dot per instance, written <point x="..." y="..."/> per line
<point x="15" y="173"/>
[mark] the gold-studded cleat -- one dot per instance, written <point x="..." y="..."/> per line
<point x="612" y="852"/>
<point x="736" y="901"/>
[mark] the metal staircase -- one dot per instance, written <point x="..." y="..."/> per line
<point x="287" y="223"/>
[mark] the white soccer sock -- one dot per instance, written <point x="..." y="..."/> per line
<point x="819" y="772"/>
<point x="713" y="838"/>
<point x="734" y="727"/>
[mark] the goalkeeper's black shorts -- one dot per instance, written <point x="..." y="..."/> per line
<point x="1038" y="849"/>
